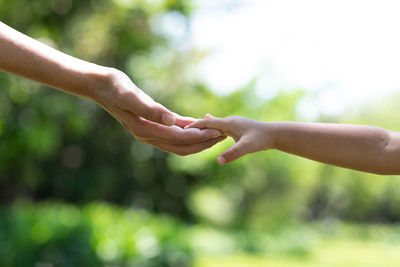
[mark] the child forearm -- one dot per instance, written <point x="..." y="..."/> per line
<point x="26" y="57"/>
<point x="356" y="147"/>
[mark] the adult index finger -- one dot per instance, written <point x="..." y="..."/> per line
<point x="148" y="130"/>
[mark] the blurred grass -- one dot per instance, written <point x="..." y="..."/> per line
<point x="96" y="234"/>
<point x="339" y="251"/>
<point x="101" y="234"/>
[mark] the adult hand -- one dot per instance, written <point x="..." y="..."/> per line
<point x="148" y="121"/>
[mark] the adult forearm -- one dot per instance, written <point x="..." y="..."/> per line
<point x="356" y="147"/>
<point x="26" y="57"/>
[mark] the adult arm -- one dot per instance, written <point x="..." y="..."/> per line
<point x="147" y="120"/>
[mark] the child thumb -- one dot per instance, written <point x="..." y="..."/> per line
<point x="234" y="152"/>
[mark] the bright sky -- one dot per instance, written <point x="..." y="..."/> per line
<point x="346" y="51"/>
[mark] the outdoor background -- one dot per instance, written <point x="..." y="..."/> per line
<point x="78" y="190"/>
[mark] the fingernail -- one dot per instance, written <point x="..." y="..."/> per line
<point x="216" y="133"/>
<point x="167" y="120"/>
<point x="221" y="160"/>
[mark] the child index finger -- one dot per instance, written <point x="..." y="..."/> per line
<point x="210" y="122"/>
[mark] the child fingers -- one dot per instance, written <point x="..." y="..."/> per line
<point x="206" y="123"/>
<point x="208" y="115"/>
<point x="234" y="152"/>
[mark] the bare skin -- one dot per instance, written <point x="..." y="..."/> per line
<point x="148" y="121"/>
<point x="362" y="148"/>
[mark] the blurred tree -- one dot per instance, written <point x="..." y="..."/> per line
<point x="54" y="145"/>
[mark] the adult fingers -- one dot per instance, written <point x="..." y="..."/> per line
<point x="184" y="150"/>
<point x="182" y="121"/>
<point x="144" y="106"/>
<point x="173" y="134"/>
<point x="234" y="152"/>
<point x="148" y="130"/>
<point x="134" y="100"/>
<point x="157" y="113"/>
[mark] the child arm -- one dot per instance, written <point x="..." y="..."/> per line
<point x="357" y="147"/>
<point x="363" y="148"/>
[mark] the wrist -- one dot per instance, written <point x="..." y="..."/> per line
<point x="271" y="132"/>
<point x="100" y="83"/>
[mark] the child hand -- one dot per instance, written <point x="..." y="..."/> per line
<point x="250" y="136"/>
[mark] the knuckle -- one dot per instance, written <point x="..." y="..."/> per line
<point x="232" y="153"/>
<point x="122" y="97"/>
<point x="228" y="157"/>
<point x="148" y="113"/>
<point x="154" y="113"/>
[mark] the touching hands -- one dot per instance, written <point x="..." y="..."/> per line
<point x="358" y="147"/>
<point x="250" y="136"/>
<point x="150" y="122"/>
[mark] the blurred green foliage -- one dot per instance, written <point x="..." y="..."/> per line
<point x="57" y="148"/>
<point x="95" y="235"/>
<point x="100" y="234"/>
